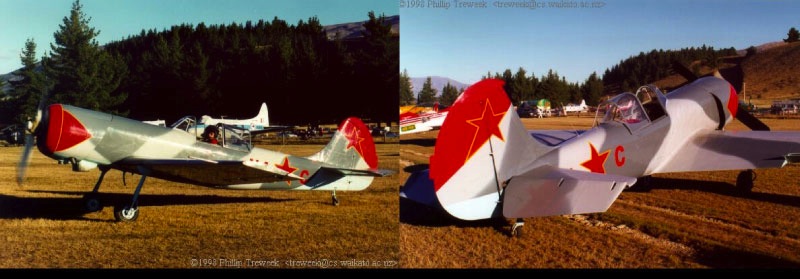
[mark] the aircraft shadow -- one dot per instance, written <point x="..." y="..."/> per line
<point x="721" y="257"/>
<point x="417" y="214"/>
<point x="63" y="208"/>
<point x="419" y="142"/>
<point x="721" y="188"/>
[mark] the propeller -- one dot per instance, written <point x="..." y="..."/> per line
<point x="31" y="130"/>
<point x="742" y="114"/>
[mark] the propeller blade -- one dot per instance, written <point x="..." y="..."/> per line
<point x="22" y="167"/>
<point x="684" y="71"/>
<point x="33" y="127"/>
<point x="749" y="120"/>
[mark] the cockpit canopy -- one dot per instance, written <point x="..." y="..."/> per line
<point x="230" y="136"/>
<point x="624" y="108"/>
<point x="632" y="109"/>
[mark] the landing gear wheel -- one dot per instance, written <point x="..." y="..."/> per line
<point x="335" y="201"/>
<point x="516" y="229"/>
<point x="91" y="203"/>
<point x="744" y="181"/>
<point x="126" y="213"/>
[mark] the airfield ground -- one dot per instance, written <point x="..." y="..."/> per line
<point x="684" y="220"/>
<point x="42" y="224"/>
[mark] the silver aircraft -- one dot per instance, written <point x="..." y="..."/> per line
<point x="486" y="164"/>
<point x="90" y="139"/>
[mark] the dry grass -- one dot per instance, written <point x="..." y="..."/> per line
<point x="42" y="224"/>
<point x="683" y="220"/>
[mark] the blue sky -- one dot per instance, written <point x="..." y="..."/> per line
<point x="466" y="43"/>
<point x="116" y="19"/>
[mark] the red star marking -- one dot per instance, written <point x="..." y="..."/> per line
<point x="597" y="162"/>
<point x="486" y="126"/>
<point x="354" y="140"/>
<point x="286" y="166"/>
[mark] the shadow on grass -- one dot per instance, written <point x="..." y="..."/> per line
<point x="61" y="208"/>
<point x="420" y="142"/>
<point x="721" y="188"/>
<point x="417" y="214"/>
<point x="721" y="257"/>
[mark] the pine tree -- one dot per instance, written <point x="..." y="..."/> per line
<point x="406" y="92"/>
<point x="592" y="89"/>
<point x="752" y="50"/>
<point x="84" y="75"/>
<point x="792" y="36"/>
<point x="520" y="86"/>
<point x="382" y="59"/>
<point x="28" y="90"/>
<point x="428" y="94"/>
<point x="449" y="95"/>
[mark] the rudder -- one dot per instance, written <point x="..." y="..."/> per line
<point x="480" y="146"/>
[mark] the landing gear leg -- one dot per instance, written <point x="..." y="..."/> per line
<point x="744" y="181"/>
<point x="90" y="200"/>
<point x="516" y="229"/>
<point x="334" y="199"/>
<point x="130" y="213"/>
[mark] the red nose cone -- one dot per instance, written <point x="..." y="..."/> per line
<point x="64" y="130"/>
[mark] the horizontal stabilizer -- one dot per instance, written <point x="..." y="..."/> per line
<point x="322" y="177"/>
<point x="357" y="172"/>
<point x="549" y="191"/>
<point x="419" y="188"/>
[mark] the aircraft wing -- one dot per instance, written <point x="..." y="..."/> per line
<point x="554" y="137"/>
<point x="548" y="191"/>
<point x="724" y="150"/>
<point x="201" y="171"/>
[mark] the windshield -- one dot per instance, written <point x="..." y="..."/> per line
<point x="624" y="108"/>
<point x="235" y="138"/>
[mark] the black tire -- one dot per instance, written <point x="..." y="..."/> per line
<point x="126" y="213"/>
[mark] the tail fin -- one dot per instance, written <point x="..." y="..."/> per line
<point x="263" y="115"/>
<point x="351" y="147"/>
<point x="480" y="146"/>
<point x="349" y="159"/>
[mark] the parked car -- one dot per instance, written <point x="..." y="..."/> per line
<point x="526" y="110"/>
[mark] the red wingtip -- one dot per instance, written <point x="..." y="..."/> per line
<point x="471" y="120"/>
<point x="360" y="139"/>
<point x="64" y="130"/>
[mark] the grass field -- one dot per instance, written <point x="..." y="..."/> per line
<point x="181" y="226"/>
<point x="684" y="220"/>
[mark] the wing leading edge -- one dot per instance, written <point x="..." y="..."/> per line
<point x="723" y="150"/>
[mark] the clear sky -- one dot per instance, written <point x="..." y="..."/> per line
<point x="466" y="43"/>
<point x="116" y="19"/>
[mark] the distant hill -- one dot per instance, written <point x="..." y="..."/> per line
<point x="770" y="74"/>
<point x="437" y="82"/>
<point x="353" y="30"/>
<point x="774" y="73"/>
<point x="763" y="47"/>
